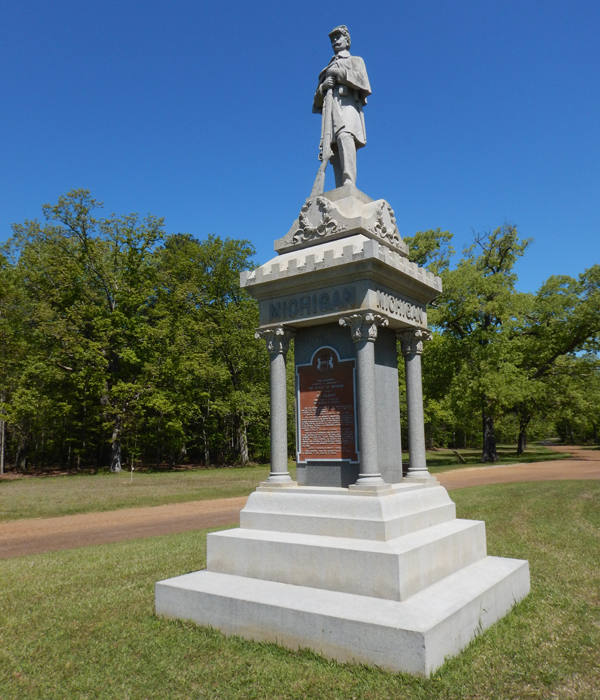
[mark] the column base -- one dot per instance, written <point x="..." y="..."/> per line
<point x="279" y="478"/>
<point x="368" y="479"/>
<point x="375" y="488"/>
<point x="276" y="485"/>
<point x="419" y="475"/>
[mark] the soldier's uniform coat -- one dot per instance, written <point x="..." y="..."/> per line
<point x="349" y="95"/>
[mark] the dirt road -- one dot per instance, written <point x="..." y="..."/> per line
<point x="585" y="464"/>
<point x="22" y="537"/>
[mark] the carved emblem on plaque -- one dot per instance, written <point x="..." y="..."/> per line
<point x="325" y="363"/>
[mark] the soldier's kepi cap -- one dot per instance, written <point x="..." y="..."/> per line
<point x="342" y="29"/>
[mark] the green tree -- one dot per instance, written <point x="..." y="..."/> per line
<point x="201" y="281"/>
<point x="135" y="345"/>
<point x="12" y="348"/>
<point x="475" y="315"/>
<point x="495" y="349"/>
<point x="431" y="249"/>
<point x="88" y="281"/>
<point x="563" y="320"/>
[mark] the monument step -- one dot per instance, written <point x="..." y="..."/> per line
<point x="344" y="513"/>
<point x="413" y="636"/>
<point x="395" y="569"/>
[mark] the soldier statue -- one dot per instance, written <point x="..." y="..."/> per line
<point x="342" y="92"/>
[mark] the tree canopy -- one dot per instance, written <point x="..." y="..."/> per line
<point x="498" y="353"/>
<point x="124" y="343"/>
<point x="121" y="344"/>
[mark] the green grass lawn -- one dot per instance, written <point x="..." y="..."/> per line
<point x="444" y="460"/>
<point x="50" y="496"/>
<point x="44" y="497"/>
<point x="80" y="623"/>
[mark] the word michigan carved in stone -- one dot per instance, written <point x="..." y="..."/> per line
<point x="395" y="306"/>
<point x="311" y="304"/>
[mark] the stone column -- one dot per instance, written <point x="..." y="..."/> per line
<point x="364" y="334"/>
<point x="278" y="343"/>
<point x="412" y="348"/>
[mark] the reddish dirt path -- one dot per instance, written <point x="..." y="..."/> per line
<point x="585" y="464"/>
<point x="21" y="537"/>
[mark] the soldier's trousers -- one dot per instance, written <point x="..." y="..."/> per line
<point x="343" y="159"/>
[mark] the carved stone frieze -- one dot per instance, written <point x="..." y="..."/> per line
<point x="385" y="224"/>
<point x="411" y="341"/>
<point x="339" y="213"/>
<point x="277" y="339"/>
<point x="316" y="220"/>
<point x="363" y="326"/>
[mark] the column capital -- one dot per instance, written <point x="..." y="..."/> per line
<point x="412" y="340"/>
<point x="363" y="326"/>
<point x="277" y="339"/>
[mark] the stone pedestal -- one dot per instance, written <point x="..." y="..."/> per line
<point x="391" y="579"/>
<point x="353" y="561"/>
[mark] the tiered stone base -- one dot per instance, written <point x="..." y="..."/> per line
<point x="391" y="579"/>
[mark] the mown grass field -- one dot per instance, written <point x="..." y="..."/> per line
<point x="45" y="497"/>
<point x="80" y="623"/>
<point x="50" y="496"/>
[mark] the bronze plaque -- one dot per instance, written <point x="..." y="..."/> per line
<point x="326" y="408"/>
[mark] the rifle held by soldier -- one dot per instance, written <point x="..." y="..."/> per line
<point x="325" y="146"/>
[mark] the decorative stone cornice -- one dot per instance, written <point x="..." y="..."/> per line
<point x="335" y="255"/>
<point x="277" y="339"/>
<point x="411" y="341"/>
<point x="363" y="326"/>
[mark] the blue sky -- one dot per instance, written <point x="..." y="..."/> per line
<point x="483" y="112"/>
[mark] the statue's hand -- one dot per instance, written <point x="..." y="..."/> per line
<point x="327" y="84"/>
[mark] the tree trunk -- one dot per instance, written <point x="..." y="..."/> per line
<point x="489" y="439"/>
<point x="115" y="449"/>
<point x="243" y="442"/>
<point x="2" y="437"/>
<point x="522" y="439"/>
<point x="2" y="434"/>
<point x="206" y="447"/>
<point x="21" y="456"/>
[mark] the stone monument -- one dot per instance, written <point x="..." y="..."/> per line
<point x="352" y="560"/>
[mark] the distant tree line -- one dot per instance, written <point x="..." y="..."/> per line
<point x="122" y="345"/>
<point x="504" y="363"/>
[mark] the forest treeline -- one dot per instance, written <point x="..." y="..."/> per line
<point x="121" y="345"/>
<point x="504" y="363"/>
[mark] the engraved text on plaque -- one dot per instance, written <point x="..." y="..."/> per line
<point x="326" y="408"/>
